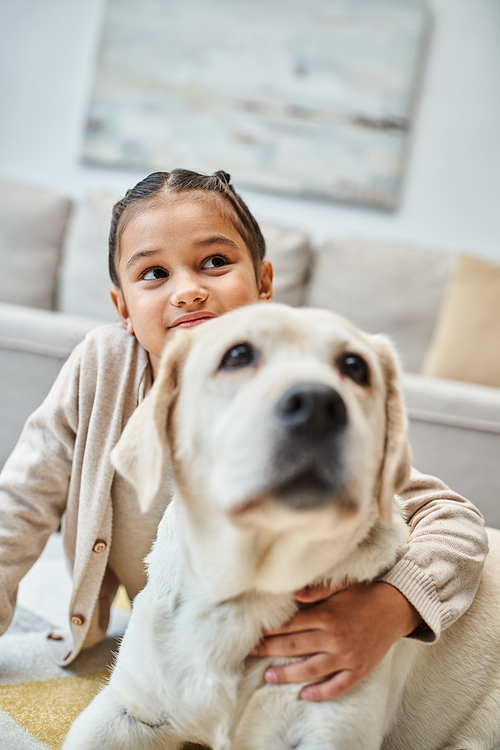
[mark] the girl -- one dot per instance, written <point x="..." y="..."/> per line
<point x="184" y="248"/>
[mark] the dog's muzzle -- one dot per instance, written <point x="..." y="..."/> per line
<point x="307" y="467"/>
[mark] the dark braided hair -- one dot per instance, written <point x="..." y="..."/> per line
<point x="159" y="184"/>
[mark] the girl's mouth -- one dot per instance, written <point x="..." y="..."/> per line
<point x="192" y="319"/>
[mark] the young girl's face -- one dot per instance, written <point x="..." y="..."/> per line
<point x="182" y="262"/>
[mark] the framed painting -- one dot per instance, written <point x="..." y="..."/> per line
<point x="309" y="97"/>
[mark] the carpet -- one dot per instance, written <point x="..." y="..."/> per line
<point x="39" y="700"/>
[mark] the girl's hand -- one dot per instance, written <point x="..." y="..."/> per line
<point x="343" y="636"/>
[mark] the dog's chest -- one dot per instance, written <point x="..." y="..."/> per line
<point x="209" y="677"/>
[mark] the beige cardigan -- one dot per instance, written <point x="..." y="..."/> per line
<point x="61" y="468"/>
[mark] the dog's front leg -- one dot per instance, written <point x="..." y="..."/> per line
<point x="107" y="723"/>
<point x="356" y="720"/>
<point x="277" y="719"/>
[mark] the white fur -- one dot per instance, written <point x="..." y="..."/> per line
<point x="229" y="553"/>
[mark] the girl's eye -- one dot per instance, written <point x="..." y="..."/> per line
<point x="216" y="261"/>
<point x="155" y="273"/>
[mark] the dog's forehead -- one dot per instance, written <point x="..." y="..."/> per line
<point x="278" y="327"/>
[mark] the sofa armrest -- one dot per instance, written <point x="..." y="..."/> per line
<point x="455" y="435"/>
<point x="34" y="344"/>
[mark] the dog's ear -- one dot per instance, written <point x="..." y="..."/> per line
<point x="140" y="453"/>
<point x="396" y="461"/>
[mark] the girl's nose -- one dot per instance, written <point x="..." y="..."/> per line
<point x="188" y="291"/>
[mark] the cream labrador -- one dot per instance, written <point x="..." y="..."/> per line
<point x="285" y="431"/>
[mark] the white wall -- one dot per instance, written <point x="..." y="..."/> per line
<point x="452" y="194"/>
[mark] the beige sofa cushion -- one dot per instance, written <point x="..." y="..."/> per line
<point x="84" y="282"/>
<point x="466" y="342"/>
<point x="32" y="226"/>
<point x="384" y="287"/>
<point x="290" y="253"/>
<point x="84" y="279"/>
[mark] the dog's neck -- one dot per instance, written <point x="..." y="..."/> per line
<point x="227" y="562"/>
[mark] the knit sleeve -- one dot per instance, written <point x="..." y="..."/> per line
<point x="34" y="483"/>
<point x="440" y="568"/>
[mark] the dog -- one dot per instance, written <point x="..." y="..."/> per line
<point x="286" y="434"/>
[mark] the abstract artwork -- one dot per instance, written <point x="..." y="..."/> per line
<point x="311" y="97"/>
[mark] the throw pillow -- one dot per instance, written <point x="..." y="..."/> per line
<point x="466" y="342"/>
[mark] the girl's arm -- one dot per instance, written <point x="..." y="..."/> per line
<point x="440" y="570"/>
<point x="347" y="633"/>
<point x="34" y="484"/>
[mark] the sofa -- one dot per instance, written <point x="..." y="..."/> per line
<point x="54" y="288"/>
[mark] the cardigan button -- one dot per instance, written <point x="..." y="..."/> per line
<point x="77" y="619"/>
<point x="99" y="546"/>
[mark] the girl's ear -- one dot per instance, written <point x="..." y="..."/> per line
<point x="266" y="281"/>
<point x="121" y="308"/>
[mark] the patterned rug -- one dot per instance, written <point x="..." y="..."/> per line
<point x="39" y="700"/>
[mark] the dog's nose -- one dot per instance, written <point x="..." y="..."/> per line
<point x="313" y="408"/>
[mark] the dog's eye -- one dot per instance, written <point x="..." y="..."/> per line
<point x="354" y="367"/>
<point x="240" y="355"/>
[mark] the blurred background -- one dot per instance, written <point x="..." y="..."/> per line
<point x="450" y="197"/>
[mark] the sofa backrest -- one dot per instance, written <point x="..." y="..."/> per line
<point x="384" y="287"/>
